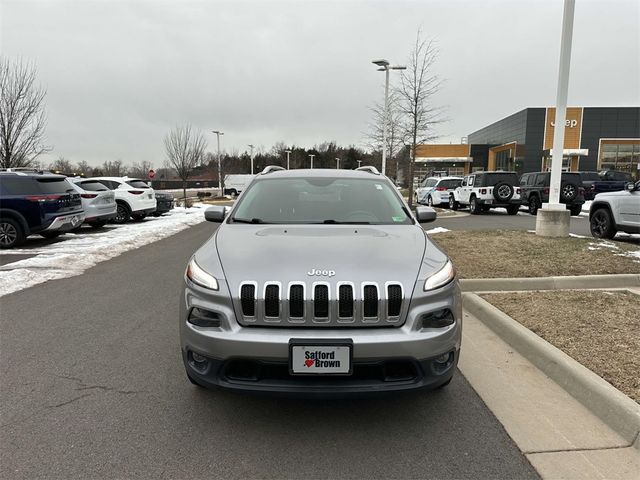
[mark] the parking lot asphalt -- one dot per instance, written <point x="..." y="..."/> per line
<point x="92" y="386"/>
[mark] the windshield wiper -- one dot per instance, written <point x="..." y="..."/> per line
<point x="336" y="222"/>
<point x="247" y="220"/>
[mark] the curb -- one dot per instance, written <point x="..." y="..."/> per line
<point x="609" y="404"/>
<point x="550" y="283"/>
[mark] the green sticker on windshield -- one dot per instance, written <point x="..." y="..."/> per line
<point x="398" y="218"/>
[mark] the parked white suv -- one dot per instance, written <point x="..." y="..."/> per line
<point x="434" y="191"/>
<point x="134" y="197"/>
<point x="484" y="190"/>
<point x="614" y="212"/>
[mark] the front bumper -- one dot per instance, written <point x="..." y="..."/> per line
<point x="379" y="354"/>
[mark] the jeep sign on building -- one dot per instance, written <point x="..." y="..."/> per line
<point x="596" y="138"/>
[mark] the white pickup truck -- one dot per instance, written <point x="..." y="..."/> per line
<point x="614" y="212"/>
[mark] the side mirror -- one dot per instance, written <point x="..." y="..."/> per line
<point x="215" y="214"/>
<point x="630" y="187"/>
<point x="425" y="214"/>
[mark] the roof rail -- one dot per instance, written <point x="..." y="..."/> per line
<point x="369" y="169"/>
<point x="271" y="168"/>
<point x="23" y="169"/>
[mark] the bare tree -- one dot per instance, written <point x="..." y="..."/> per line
<point x="61" y="165"/>
<point x="140" y="169"/>
<point x="185" y="150"/>
<point x="22" y="116"/>
<point x="113" y="169"/>
<point x="375" y="134"/>
<point x="83" y="168"/>
<point x="419" y="84"/>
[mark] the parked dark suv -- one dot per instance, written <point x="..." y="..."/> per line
<point x="36" y="203"/>
<point x="535" y="191"/>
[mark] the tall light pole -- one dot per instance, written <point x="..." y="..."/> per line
<point x="553" y="218"/>
<point x="251" y="147"/>
<point x="288" y="152"/>
<point x="385" y="67"/>
<point x="337" y="163"/>
<point x="218" y="133"/>
<point x="311" y="157"/>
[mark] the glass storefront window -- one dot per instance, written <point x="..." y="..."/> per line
<point x="623" y="157"/>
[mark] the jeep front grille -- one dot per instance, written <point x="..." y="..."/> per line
<point x="321" y="304"/>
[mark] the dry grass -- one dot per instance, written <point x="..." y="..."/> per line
<point x="509" y="254"/>
<point x="598" y="329"/>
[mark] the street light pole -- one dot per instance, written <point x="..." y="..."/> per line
<point x="553" y="218"/>
<point x="384" y="66"/>
<point x="288" y="152"/>
<point x="251" y="146"/>
<point x="311" y="156"/>
<point x="218" y="133"/>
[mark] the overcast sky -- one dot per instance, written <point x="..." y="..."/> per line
<point x="120" y="74"/>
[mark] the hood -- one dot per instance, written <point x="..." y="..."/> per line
<point x="354" y="253"/>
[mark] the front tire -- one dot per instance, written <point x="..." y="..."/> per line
<point x="11" y="234"/>
<point x="575" y="210"/>
<point x="601" y="224"/>
<point x="534" y="205"/>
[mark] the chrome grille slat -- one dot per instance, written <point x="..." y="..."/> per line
<point x="342" y="304"/>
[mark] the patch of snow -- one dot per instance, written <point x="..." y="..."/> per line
<point x="586" y="206"/>
<point x="575" y="235"/>
<point x="438" y="230"/>
<point x="78" y="252"/>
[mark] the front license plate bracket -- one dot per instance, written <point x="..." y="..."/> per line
<point x="321" y="357"/>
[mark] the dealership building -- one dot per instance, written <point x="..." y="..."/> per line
<point x="596" y="138"/>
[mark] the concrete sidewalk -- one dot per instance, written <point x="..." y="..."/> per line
<point x="559" y="436"/>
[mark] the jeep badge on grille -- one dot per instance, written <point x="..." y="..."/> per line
<point x="321" y="273"/>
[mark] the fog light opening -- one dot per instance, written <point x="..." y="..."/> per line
<point x="443" y="359"/>
<point x="198" y="362"/>
<point x="442" y="363"/>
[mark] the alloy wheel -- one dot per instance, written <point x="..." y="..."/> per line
<point x="599" y="224"/>
<point x="8" y="234"/>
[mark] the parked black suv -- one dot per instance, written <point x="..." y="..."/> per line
<point x="36" y="203"/>
<point x="535" y="191"/>
<point x="164" y="203"/>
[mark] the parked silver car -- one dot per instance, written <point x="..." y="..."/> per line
<point x="320" y="282"/>
<point x="98" y="202"/>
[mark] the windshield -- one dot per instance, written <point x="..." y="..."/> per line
<point x="321" y="200"/>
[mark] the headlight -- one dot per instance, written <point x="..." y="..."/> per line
<point x="198" y="276"/>
<point x="441" y="277"/>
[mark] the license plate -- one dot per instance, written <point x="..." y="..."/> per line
<point x="488" y="201"/>
<point x="319" y="358"/>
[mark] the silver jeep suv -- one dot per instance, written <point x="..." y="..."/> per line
<point x="320" y="282"/>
